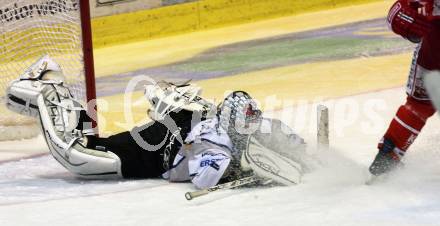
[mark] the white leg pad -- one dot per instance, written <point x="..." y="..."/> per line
<point x="269" y="164"/>
<point x="72" y="154"/>
<point x="59" y="113"/>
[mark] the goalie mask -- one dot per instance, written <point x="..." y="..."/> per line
<point x="239" y="116"/>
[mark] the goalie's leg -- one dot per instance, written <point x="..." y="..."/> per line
<point x="147" y="161"/>
<point x="59" y="113"/>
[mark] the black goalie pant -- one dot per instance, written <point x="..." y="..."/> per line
<point x="136" y="160"/>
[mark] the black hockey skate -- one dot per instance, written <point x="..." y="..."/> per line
<point x="386" y="160"/>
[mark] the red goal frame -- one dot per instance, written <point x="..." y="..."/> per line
<point x="89" y="67"/>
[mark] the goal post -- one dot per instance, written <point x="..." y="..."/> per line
<point x="33" y="28"/>
<point x="323" y="132"/>
<point x="89" y="67"/>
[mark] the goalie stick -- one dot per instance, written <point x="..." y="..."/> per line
<point x="229" y="185"/>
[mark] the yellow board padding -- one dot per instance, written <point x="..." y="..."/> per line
<point x="115" y="114"/>
<point x="199" y="15"/>
<point x="146" y="24"/>
<point x="156" y="52"/>
<point x="321" y="80"/>
<point x="285" y="85"/>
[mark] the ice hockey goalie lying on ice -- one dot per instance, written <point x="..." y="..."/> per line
<point x="189" y="138"/>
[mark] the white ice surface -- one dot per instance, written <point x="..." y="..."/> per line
<point x="10" y="150"/>
<point x="40" y="192"/>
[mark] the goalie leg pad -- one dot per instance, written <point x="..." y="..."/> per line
<point x="57" y="112"/>
<point x="269" y="164"/>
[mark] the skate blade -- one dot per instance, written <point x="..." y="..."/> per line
<point x="376" y="179"/>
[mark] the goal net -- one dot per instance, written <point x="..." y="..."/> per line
<point x="33" y="28"/>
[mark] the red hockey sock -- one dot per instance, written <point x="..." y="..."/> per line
<point x="407" y="124"/>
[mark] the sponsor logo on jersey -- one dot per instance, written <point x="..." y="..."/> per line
<point x="211" y="162"/>
<point x="213" y="154"/>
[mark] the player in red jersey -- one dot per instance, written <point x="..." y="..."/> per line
<point x="419" y="22"/>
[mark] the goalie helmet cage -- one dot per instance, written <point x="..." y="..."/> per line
<point x="33" y="28"/>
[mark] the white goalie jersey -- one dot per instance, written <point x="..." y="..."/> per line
<point x="205" y="159"/>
